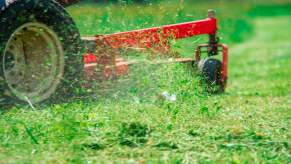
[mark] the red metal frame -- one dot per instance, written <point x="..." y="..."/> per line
<point x="102" y="52"/>
<point x="150" y="37"/>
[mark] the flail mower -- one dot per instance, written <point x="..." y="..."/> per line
<point x="43" y="55"/>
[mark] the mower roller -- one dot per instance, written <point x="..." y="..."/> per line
<point x="42" y="56"/>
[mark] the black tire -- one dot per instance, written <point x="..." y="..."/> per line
<point x="211" y="73"/>
<point x="53" y="15"/>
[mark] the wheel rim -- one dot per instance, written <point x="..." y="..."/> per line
<point x="33" y="62"/>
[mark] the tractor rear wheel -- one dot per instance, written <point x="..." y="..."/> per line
<point x="39" y="53"/>
<point x="211" y="74"/>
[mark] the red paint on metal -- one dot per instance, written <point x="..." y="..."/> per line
<point x="89" y="58"/>
<point x="224" y="64"/>
<point x="102" y="72"/>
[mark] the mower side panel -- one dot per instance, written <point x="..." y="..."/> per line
<point x="157" y="37"/>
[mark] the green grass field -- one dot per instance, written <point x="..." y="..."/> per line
<point x="130" y="123"/>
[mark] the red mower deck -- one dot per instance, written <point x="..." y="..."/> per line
<point x="103" y="60"/>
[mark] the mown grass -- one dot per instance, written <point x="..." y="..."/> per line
<point x="133" y="123"/>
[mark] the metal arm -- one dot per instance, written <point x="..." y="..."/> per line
<point x="158" y="37"/>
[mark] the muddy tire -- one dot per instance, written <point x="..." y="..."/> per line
<point x="211" y="74"/>
<point x="40" y="57"/>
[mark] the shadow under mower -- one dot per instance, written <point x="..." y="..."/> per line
<point x="40" y="52"/>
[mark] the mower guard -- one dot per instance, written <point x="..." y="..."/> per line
<point x="102" y="59"/>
